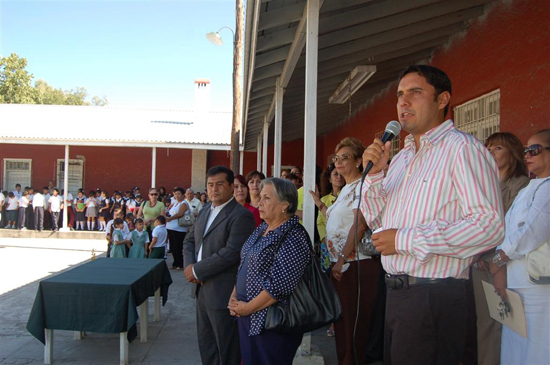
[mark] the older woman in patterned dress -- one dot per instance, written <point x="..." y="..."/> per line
<point x="269" y="272"/>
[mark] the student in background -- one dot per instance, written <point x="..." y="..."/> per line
<point x="118" y="248"/>
<point x="17" y="192"/>
<point x="160" y="236"/>
<point x="125" y="230"/>
<point x="130" y="221"/>
<point x="91" y="211"/>
<point x="55" y="205"/>
<point x="12" y="208"/>
<point x="23" y="204"/>
<point x="103" y="211"/>
<point x="47" y="216"/>
<point x="38" y="203"/>
<point x="80" y="207"/>
<point x="2" y="203"/>
<point x="29" y="213"/>
<point x="140" y="239"/>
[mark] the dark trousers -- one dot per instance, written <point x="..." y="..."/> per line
<point x="47" y="223"/>
<point x="218" y="335"/>
<point x="29" y="217"/>
<point x="55" y="220"/>
<point x="39" y="218"/>
<point x="426" y="324"/>
<point x="176" y="246"/>
<point x="267" y="348"/>
<point x="347" y="290"/>
<point x="22" y="216"/>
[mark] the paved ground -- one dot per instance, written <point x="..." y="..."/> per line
<point x="25" y="261"/>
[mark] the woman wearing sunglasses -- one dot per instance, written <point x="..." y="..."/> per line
<point x="527" y="229"/>
<point x="507" y="151"/>
<point x="150" y="210"/>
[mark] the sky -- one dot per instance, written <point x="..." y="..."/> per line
<point x="137" y="53"/>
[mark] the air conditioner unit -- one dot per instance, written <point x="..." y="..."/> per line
<point x="352" y="83"/>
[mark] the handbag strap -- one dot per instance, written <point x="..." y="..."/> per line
<point x="291" y="228"/>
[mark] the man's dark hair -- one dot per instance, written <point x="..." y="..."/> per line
<point x="229" y="176"/>
<point x="17" y="185"/>
<point x="180" y="189"/>
<point x="434" y="76"/>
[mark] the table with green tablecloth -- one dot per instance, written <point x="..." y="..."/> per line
<point x="99" y="296"/>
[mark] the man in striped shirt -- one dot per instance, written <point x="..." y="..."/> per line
<point x="437" y="208"/>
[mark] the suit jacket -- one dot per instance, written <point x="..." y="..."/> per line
<point x="221" y="251"/>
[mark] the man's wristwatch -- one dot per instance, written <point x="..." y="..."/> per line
<point x="340" y="254"/>
<point x="497" y="260"/>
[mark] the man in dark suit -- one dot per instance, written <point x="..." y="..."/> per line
<point x="212" y="251"/>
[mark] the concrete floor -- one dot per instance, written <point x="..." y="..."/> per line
<point x="25" y="261"/>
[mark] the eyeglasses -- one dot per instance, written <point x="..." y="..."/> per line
<point x="342" y="157"/>
<point x="535" y="149"/>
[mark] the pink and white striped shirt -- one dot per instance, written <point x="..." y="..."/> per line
<point x="444" y="201"/>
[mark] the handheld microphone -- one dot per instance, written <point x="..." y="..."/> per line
<point x="393" y="129"/>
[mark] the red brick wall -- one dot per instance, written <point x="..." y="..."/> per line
<point x="108" y="168"/>
<point x="509" y="48"/>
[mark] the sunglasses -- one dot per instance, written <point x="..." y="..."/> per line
<point x="153" y="194"/>
<point x="342" y="158"/>
<point x="535" y="149"/>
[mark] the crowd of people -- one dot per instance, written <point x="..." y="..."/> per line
<point x="399" y="247"/>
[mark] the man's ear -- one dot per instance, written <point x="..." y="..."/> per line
<point x="443" y="99"/>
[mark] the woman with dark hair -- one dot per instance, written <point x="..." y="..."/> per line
<point x="353" y="328"/>
<point x="273" y="260"/>
<point x="176" y="233"/>
<point x="162" y="193"/>
<point x="253" y="180"/>
<point x="240" y="192"/>
<point x="507" y="150"/>
<point x="527" y="231"/>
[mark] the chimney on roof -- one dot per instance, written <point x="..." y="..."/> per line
<point x="202" y="96"/>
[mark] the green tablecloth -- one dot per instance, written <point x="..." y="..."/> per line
<point x="99" y="296"/>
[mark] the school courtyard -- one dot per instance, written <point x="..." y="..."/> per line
<point x="172" y="340"/>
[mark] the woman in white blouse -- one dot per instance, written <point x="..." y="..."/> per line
<point x="347" y="263"/>
<point x="527" y="229"/>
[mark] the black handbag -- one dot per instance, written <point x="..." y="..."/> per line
<point x="313" y="304"/>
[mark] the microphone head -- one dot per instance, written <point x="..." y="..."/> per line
<point x="393" y="127"/>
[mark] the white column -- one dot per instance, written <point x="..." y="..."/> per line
<point x="241" y="163"/>
<point x="265" y="133"/>
<point x="278" y="129"/>
<point x="310" y="117"/>
<point x="154" y="168"/>
<point x="259" y="153"/>
<point x="65" y="227"/>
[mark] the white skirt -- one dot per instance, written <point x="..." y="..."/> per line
<point x="535" y="349"/>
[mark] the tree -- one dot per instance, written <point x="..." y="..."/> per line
<point x="16" y="88"/>
<point x="15" y="81"/>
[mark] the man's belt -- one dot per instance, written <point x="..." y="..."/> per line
<point x="396" y="282"/>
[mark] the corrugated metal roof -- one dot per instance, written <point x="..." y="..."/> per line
<point x="65" y="124"/>
<point x="390" y="34"/>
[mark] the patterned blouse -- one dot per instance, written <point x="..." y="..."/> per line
<point x="276" y="272"/>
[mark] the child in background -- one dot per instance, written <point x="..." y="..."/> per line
<point x="103" y="211"/>
<point x="119" y="244"/>
<point x="160" y="235"/>
<point x="140" y="239"/>
<point x="168" y="204"/>
<point x="91" y="210"/>
<point x="23" y="204"/>
<point x="13" y="206"/>
<point x="80" y="206"/>
<point x="55" y="203"/>
<point x="118" y="203"/>
<point x="130" y="222"/>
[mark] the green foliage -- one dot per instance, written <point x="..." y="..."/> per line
<point x="16" y="87"/>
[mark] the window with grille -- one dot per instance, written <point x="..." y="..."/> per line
<point x="76" y="175"/>
<point x="480" y="117"/>
<point x="395" y="143"/>
<point x="17" y="171"/>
